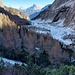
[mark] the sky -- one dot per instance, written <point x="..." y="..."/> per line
<point x="26" y="3"/>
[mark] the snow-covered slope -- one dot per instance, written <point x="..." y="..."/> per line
<point x="11" y="62"/>
<point x="60" y="9"/>
<point x="56" y="30"/>
<point x="59" y="19"/>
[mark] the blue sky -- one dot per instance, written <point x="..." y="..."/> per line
<point x="26" y="3"/>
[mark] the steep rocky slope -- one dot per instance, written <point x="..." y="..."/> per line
<point x="60" y="10"/>
<point x="60" y="16"/>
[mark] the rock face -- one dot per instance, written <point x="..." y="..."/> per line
<point x="60" y="10"/>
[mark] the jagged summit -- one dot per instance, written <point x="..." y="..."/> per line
<point x="30" y="10"/>
<point x="34" y="7"/>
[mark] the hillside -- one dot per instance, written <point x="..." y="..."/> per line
<point x="60" y="10"/>
<point x="58" y="18"/>
<point x="15" y="11"/>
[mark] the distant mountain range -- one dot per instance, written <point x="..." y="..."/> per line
<point x="33" y="10"/>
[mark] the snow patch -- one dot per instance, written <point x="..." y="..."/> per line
<point x="12" y="62"/>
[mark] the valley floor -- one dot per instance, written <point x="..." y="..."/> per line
<point x="63" y="34"/>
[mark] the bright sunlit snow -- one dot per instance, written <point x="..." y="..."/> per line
<point x="56" y="30"/>
<point x="12" y="62"/>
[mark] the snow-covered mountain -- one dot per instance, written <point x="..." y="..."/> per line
<point x="59" y="19"/>
<point x="37" y="13"/>
<point x="31" y="10"/>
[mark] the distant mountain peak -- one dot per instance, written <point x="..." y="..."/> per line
<point x="34" y="7"/>
<point x="37" y="6"/>
<point x="31" y="10"/>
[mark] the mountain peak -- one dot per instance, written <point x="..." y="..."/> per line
<point x="31" y="10"/>
<point x="37" y="6"/>
<point x="34" y="7"/>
